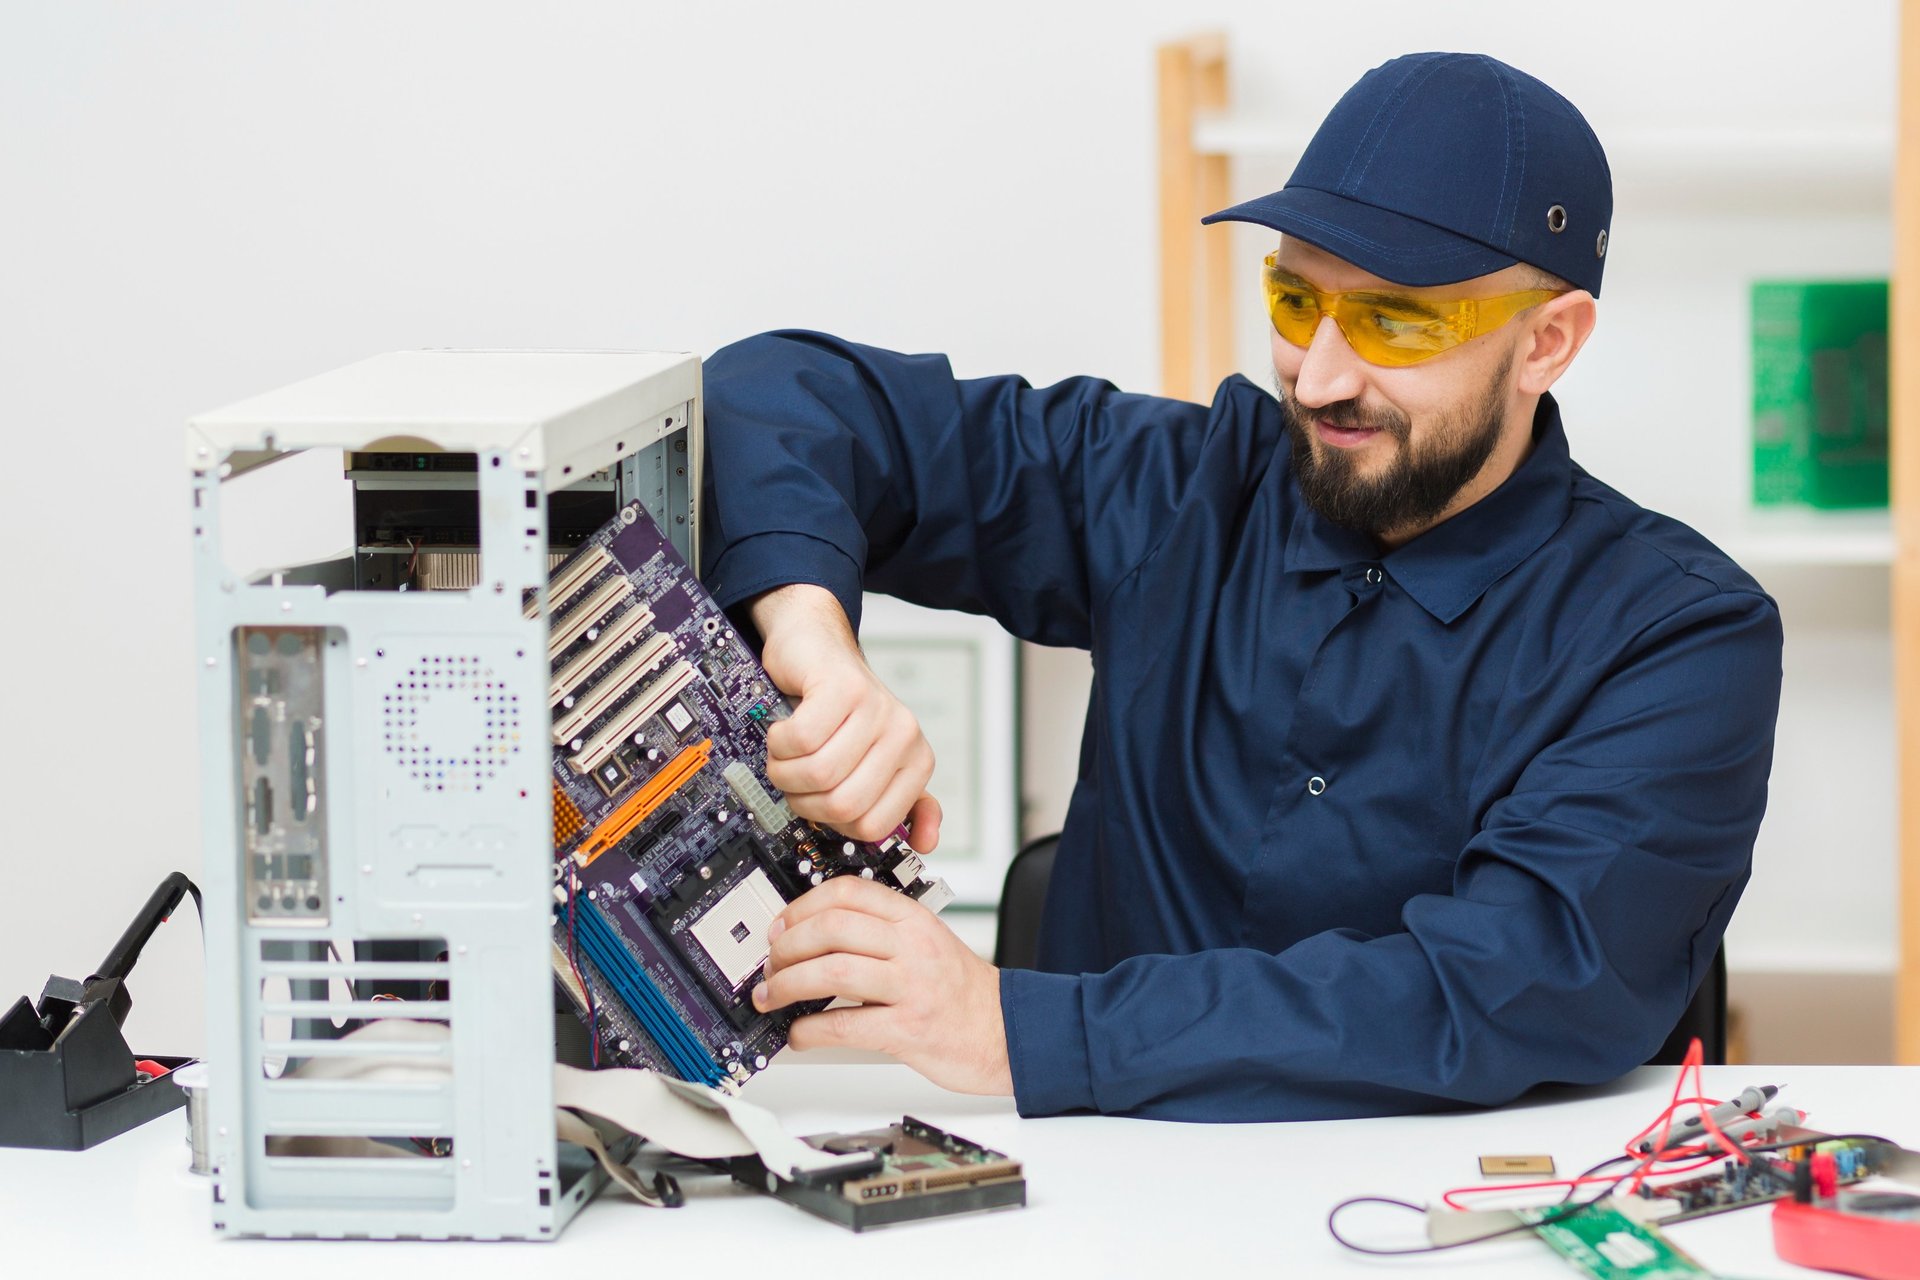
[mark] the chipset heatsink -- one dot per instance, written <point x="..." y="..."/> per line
<point x="734" y="932"/>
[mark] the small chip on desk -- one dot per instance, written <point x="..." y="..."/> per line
<point x="1494" y="1166"/>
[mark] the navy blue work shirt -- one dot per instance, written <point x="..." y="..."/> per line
<point x="1354" y="833"/>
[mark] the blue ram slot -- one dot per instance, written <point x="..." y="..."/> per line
<point x="631" y="983"/>
<point x="609" y="954"/>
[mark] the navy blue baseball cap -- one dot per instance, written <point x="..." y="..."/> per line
<point x="1439" y="167"/>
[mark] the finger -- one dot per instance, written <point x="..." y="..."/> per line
<point x="870" y="1027"/>
<point x="853" y="894"/>
<point x="828" y="977"/>
<point x="893" y="807"/>
<point x="923" y="824"/>
<point x="858" y="794"/>
<point x="817" y="717"/>
<point x="835" y="930"/>
<point x="825" y="768"/>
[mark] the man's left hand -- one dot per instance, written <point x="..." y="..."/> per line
<point x="925" y="997"/>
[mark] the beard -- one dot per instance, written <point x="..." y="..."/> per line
<point x="1416" y="485"/>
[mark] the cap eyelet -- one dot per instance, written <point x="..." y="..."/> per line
<point x="1600" y="244"/>
<point x="1557" y="219"/>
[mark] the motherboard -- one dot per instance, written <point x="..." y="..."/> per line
<point x="673" y="852"/>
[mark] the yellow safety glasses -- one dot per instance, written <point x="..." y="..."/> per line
<point x="1388" y="328"/>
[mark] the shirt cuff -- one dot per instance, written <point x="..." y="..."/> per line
<point x="1046" y="1042"/>
<point x="764" y="561"/>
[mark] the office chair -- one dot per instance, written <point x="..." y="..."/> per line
<point x="1024" y="898"/>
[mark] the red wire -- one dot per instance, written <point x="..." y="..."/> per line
<point x="573" y="962"/>
<point x="1661" y="1153"/>
<point x="1448" y="1196"/>
<point x="1693" y="1055"/>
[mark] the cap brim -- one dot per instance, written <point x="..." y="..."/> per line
<point x="1379" y="241"/>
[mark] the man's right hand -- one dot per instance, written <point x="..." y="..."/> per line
<point x="852" y="756"/>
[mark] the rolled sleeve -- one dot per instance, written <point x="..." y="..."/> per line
<point x="768" y="560"/>
<point x="982" y="494"/>
<point x="1046" y="1042"/>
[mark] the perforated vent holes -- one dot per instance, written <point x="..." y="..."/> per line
<point x="449" y="723"/>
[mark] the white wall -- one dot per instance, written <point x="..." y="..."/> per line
<point x="203" y="201"/>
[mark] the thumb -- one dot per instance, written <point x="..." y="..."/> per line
<point x="923" y="824"/>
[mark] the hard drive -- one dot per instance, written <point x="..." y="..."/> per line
<point x="917" y="1172"/>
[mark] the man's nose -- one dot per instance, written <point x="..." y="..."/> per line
<point x="1331" y="372"/>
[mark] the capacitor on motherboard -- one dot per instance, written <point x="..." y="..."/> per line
<point x="804" y="866"/>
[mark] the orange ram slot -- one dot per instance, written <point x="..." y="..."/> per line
<point x="620" y="824"/>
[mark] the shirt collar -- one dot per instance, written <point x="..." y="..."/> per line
<point x="1451" y="565"/>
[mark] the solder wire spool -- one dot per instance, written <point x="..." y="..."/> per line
<point x="192" y="1079"/>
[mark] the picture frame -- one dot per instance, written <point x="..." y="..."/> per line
<point x="960" y="675"/>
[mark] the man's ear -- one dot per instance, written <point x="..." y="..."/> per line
<point x="1556" y="330"/>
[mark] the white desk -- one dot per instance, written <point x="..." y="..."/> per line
<point x="1106" y="1197"/>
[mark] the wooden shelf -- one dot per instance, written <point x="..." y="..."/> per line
<point x="1824" y="960"/>
<point x="1794" y="536"/>
<point x="1904" y="437"/>
<point x="1844" y="166"/>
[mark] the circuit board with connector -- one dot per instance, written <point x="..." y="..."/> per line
<point x="1604" y="1244"/>
<point x="1761" y="1178"/>
<point x="673" y="851"/>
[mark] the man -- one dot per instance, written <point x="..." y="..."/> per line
<point x="1420" y="767"/>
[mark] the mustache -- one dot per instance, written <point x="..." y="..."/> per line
<point x="1347" y="415"/>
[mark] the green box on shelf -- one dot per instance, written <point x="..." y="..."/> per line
<point x="1820" y="393"/>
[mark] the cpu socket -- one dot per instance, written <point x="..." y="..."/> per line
<point x="734" y="932"/>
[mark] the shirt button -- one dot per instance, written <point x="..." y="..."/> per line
<point x="1315" y="785"/>
<point x="1374" y="577"/>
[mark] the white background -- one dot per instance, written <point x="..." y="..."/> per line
<point x="203" y="201"/>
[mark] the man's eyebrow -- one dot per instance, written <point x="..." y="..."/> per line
<point x="1399" y="301"/>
